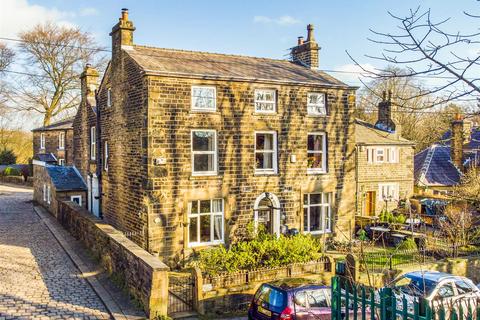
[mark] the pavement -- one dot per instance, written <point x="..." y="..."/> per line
<point x="45" y="273"/>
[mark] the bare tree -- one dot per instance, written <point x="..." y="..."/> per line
<point x="424" y="48"/>
<point x="469" y="187"/>
<point x="457" y="227"/>
<point x="56" y="56"/>
<point x="6" y="56"/>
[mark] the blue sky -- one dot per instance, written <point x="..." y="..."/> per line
<point x="257" y="28"/>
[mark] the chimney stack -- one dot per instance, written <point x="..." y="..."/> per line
<point x="456" y="142"/>
<point x="122" y="33"/>
<point x="385" y="121"/>
<point x="306" y="52"/>
<point x="88" y="82"/>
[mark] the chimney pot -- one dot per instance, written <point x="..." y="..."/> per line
<point x="310" y="36"/>
<point x="124" y="14"/>
<point x="300" y="41"/>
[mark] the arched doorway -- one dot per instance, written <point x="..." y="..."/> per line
<point x="267" y="212"/>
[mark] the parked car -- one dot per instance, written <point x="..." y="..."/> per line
<point x="437" y="290"/>
<point x="293" y="299"/>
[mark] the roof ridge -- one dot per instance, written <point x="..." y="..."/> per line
<point x="212" y="53"/>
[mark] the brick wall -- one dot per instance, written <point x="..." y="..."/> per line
<point x="370" y="175"/>
<point x="51" y="144"/>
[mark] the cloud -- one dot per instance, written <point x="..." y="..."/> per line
<point x="350" y="73"/>
<point x="88" y="11"/>
<point x="282" y="21"/>
<point x="20" y="15"/>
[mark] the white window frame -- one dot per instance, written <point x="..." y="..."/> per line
<point x="379" y="152"/>
<point x="79" y="197"/>
<point x="105" y="158"/>
<point x="392" y="155"/>
<point x="93" y="143"/>
<point x="204" y="109"/>
<point x="42" y="140"/>
<point x="109" y="97"/>
<point x="44" y="192"/>
<point x="214" y="152"/>
<point x="389" y="154"/>
<point x="61" y="141"/>
<point x="274" y="152"/>
<point x="61" y="162"/>
<point x="212" y="224"/>
<point x="389" y="187"/>
<point x="48" y="195"/>
<point x="311" y="106"/>
<point x="326" y="211"/>
<point x="274" y="103"/>
<point x="324" y="152"/>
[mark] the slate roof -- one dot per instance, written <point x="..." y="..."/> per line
<point x="59" y="125"/>
<point x="474" y="142"/>
<point x="205" y="65"/>
<point x="368" y="134"/>
<point x="45" y="157"/>
<point x="433" y="166"/>
<point x="66" y="178"/>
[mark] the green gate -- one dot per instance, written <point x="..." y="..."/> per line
<point x="351" y="301"/>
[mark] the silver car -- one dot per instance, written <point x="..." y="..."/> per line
<point x="439" y="291"/>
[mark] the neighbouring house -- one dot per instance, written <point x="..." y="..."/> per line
<point x="439" y="168"/>
<point x="53" y="183"/>
<point x="183" y="150"/>
<point x="384" y="164"/>
<point x="56" y="140"/>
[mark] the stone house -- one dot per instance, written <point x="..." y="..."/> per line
<point x="183" y="150"/>
<point x="56" y="141"/>
<point x="439" y="168"/>
<point x="384" y="164"/>
<point x="53" y="183"/>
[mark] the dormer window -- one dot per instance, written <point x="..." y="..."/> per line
<point x="204" y="98"/>
<point x="316" y="105"/>
<point x="265" y="101"/>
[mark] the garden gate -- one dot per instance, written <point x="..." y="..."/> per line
<point x="181" y="292"/>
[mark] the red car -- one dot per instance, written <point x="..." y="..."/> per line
<point x="293" y="299"/>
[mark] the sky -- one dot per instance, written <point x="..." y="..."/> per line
<point x="248" y="27"/>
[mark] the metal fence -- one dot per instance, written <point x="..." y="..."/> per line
<point x="181" y="292"/>
<point x="357" y="302"/>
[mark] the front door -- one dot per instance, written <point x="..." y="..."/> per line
<point x="93" y="195"/>
<point x="267" y="213"/>
<point x="370" y="199"/>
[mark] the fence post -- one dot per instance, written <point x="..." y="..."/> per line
<point x="386" y="295"/>
<point x="198" y="291"/>
<point x="336" y="298"/>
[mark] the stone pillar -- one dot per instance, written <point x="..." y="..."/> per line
<point x="198" y="298"/>
<point x="158" y="295"/>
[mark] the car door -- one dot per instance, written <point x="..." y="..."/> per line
<point x="319" y="304"/>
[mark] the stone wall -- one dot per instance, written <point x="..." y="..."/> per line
<point x="143" y="275"/>
<point x="17" y="180"/>
<point x="51" y="144"/>
<point x="172" y="186"/>
<point x="370" y="175"/>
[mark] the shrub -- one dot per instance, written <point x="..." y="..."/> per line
<point x="7" y="157"/>
<point x="9" y="171"/>
<point x="264" y="250"/>
<point x="407" y="244"/>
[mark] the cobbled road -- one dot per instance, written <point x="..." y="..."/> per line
<point x="37" y="278"/>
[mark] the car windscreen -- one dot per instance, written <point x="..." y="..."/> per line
<point x="271" y="298"/>
<point x="414" y="286"/>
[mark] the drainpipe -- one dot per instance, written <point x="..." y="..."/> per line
<point x="99" y="157"/>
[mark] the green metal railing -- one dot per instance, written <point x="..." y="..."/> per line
<point x="351" y="301"/>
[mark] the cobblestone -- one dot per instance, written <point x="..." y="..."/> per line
<point x="37" y="278"/>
